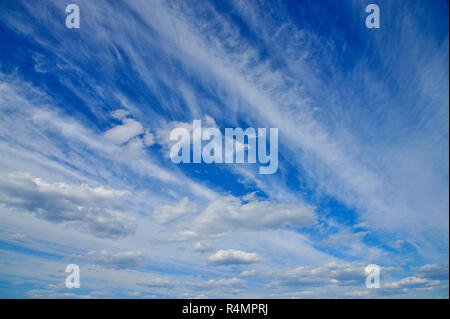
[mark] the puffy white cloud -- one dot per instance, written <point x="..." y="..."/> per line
<point x="121" y="260"/>
<point x="91" y="210"/>
<point x="233" y="257"/>
<point x="168" y="213"/>
<point x="228" y="214"/>
<point x="123" y="133"/>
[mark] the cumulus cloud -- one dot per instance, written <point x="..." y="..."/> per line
<point x="123" y="133"/>
<point x="130" y="132"/>
<point x="233" y="257"/>
<point x="168" y="213"/>
<point x="91" y="210"/>
<point x="121" y="260"/>
<point x="343" y="274"/>
<point x="228" y="214"/>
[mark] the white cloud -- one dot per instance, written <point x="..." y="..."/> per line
<point x="341" y="274"/>
<point x="163" y="132"/>
<point x="411" y="282"/>
<point x="51" y="294"/>
<point x="119" y="114"/>
<point x="229" y="214"/>
<point x="19" y="238"/>
<point x="254" y="273"/>
<point x="331" y="155"/>
<point x="123" y="133"/>
<point x="168" y="213"/>
<point x="148" y="139"/>
<point x="203" y="246"/>
<point x="134" y="148"/>
<point x="100" y="293"/>
<point x="121" y="260"/>
<point x="212" y="283"/>
<point x="133" y="293"/>
<point x="92" y="210"/>
<point x="433" y="271"/>
<point x="343" y="238"/>
<point x="157" y="282"/>
<point x="350" y="185"/>
<point x="233" y="257"/>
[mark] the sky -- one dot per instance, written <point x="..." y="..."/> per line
<point x="363" y="149"/>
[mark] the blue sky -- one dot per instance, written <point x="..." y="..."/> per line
<point x="86" y="177"/>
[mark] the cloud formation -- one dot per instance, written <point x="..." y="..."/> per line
<point x="90" y="210"/>
<point x="123" y="133"/>
<point x="233" y="257"/>
<point x="157" y="282"/>
<point x="168" y="213"/>
<point x="341" y="274"/>
<point x="230" y="214"/>
<point x="363" y="123"/>
<point x="121" y="260"/>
